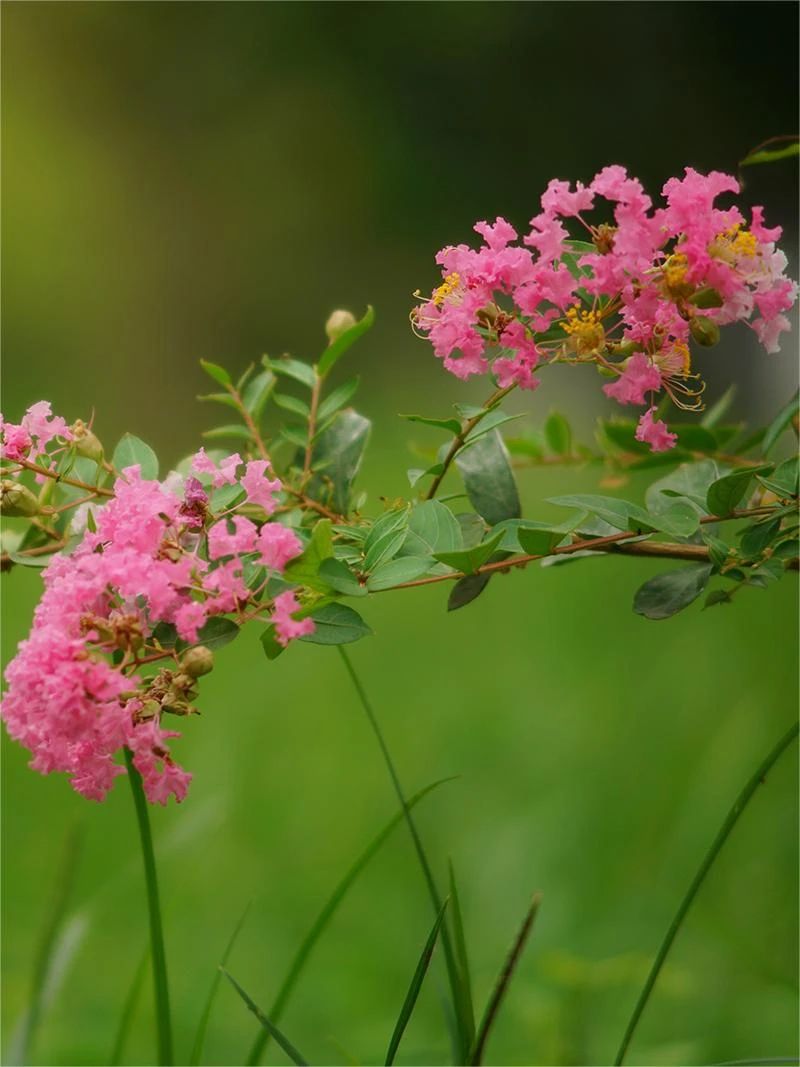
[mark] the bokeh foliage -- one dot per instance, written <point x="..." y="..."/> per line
<point x="209" y="180"/>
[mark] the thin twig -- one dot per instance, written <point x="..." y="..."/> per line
<point x="467" y="426"/>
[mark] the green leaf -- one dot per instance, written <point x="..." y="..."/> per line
<point x="718" y="550"/>
<point x="292" y="368"/>
<point x="693" y="437"/>
<point x="334" y="352"/>
<point x="416" y="985"/>
<point x="415" y="474"/>
<point x="336" y="624"/>
<point x="678" y="520"/>
<point x="389" y="522"/>
<point x="468" y="560"/>
<point x="466" y="590"/>
<point x="538" y="542"/>
<point x="781" y="422"/>
<point x="432" y="527"/>
<point x="385" y="548"/>
<point x="758" y="536"/>
<point x="717" y="596"/>
<point x="397" y="571"/>
<point x="202" y="1027"/>
<point x="621" y="514"/>
<point x="340" y="578"/>
<point x="305" y="570"/>
<point x="473" y="530"/>
<point x="489" y="422"/>
<point x="337" y="399"/>
<point x="726" y="492"/>
<point x="130" y="451"/>
<point x="558" y="434"/>
<point x="690" y="480"/>
<point x="669" y="593"/>
<point x="217" y="632"/>
<point x="213" y="370"/>
<point x="337" y="455"/>
<point x="270" y="643"/>
<point x="326" y="914"/>
<point x="241" y="433"/>
<point x="783" y="482"/>
<point x="257" y="393"/>
<point x="269" y="1026"/>
<point x="771" y="155"/>
<point x="293" y="404"/>
<point x="221" y="398"/>
<point x="451" y="425"/>
<point x="489" y="480"/>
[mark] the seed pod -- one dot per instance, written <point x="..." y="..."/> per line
<point x="197" y="661"/>
<point x="704" y="330"/>
<point x="86" y="443"/>
<point x="17" y="500"/>
<point x="339" y="322"/>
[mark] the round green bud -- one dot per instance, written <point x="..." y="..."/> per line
<point x="339" y="322"/>
<point x="85" y="442"/>
<point x="707" y="297"/>
<point x="197" y="661"/>
<point x="17" y="500"/>
<point x="704" y="330"/>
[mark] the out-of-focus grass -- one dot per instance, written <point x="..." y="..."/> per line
<point x="597" y="755"/>
<point x="201" y="180"/>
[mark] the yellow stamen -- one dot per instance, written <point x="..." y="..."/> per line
<point x="585" y="328"/>
<point x="449" y="286"/>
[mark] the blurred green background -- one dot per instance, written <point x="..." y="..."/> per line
<point x="211" y="180"/>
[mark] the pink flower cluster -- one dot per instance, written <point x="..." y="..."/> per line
<point x="31" y="436"/>
<point x="153" y="554"/>
<point x="631" y="296"/>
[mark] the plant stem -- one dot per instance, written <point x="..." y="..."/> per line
<point x="625" y="543"/>
<point x="731" y="819"/>
<point x="158" y="956"/>
<point x="436" y="900"/>
<point x="467" y="426"/>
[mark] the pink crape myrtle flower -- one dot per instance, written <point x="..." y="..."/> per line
<point x="603" y="270"/>
<point x="154" y="555"/>
<point x="260" y="488"/>
<point x="639" y="378"/>
<point x="288" y="628"/>
<point x="655" y="433"/>
<point x="37" y="428"/>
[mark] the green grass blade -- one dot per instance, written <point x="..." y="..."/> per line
<point x="415" y="987"/>
<point x="325" y="917"/>
<point x="450" y="959"/>
<point x="467" y="1008"/>
<point x="160" y="984"/>
<point x="48" y="944"/>
<point x="723" y="833"/>
<point x="128" y="1010"/>
<point x="202" y="1026"/>
<point x="501" y="986"/>
<point x="269" y="1026"/>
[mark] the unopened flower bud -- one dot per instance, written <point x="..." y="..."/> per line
<point x="86" y="443"/>
<point x="704" y="330"/>
<point x="338" y="323"/>
<point x="707" y="297"/>
<point x="197" y="661"/>
<point x="17" y="499"/>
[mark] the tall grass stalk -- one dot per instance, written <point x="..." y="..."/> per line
<point x="157" y="954"/>
<point x="453" y="973"/>
<point x="722" y="836"/>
